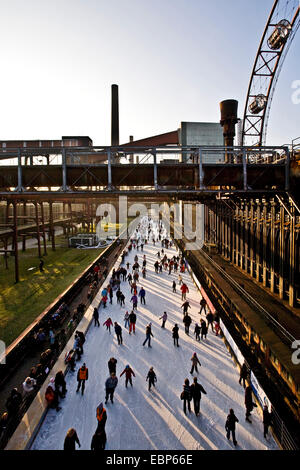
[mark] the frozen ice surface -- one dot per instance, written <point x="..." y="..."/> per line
<point x="155" y="420"/>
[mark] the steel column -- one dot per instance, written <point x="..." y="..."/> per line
<point x="292" y="258"/>
<point x="281" y="254"/>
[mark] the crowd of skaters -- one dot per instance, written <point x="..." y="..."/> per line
<point x="190" y="393"/>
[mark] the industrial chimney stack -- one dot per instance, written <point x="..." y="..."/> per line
<point x="114" y="115"/>
<point x="228" y="121"/>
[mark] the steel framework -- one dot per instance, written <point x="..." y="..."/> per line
<point x="281" y="27"/>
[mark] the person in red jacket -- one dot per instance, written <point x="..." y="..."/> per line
<point x="184" y="289"/>
<point x="128" y="373"/>
<point x="108" y="324"/>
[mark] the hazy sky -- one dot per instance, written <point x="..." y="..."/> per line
<point x="174" y="60"/>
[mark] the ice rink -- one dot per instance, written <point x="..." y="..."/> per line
<point x="155" y="420"/>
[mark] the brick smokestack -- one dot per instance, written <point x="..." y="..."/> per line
<point x="114" y="115"/>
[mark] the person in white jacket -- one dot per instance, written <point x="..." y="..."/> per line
<point x="28" y="386"/>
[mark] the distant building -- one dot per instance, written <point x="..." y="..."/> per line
<point x="202" y="134"/>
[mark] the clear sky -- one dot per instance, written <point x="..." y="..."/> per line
<point x="174" y="60"/>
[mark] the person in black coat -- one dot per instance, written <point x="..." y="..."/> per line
<point x="197" y="331"/>
<point x="70" y="440"/>
<point x="203" y="329"/>
<point x="118" y="330"/>
<point x="267" y="420"/>
<point x="112" y="365"/>
<point x="175" y="335"/>
<point x="151" y="377"/>
<point x="13" y="402"/>
<point x="186" y="395"/>
<point x="96" y="317"/>
<point x="243" y="375"/>
<point x="99" y="440"/>
<point x="187" y="321"/>
<point x="148" y="336"/>
<point x="196" y="390"/>
<point x="248" y="402"/>
<point x="60" y="384"/>
<point x="230" y="425"/>
<point x="132" y="322"/>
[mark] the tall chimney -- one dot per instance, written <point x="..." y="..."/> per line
<point x="228" y="121"/>
<point x="114" y="115"/>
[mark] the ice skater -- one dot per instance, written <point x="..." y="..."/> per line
<point x="151" y="377"/>
<point x="82" y="377"/>
<point x="108" y="324"/>
<point x="148" y="335"/>
<point x="128" y="374"/>
<point x="195" y="362"/>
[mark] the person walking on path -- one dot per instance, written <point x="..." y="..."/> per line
<point x="230" y="425"/>
<point x="151" y="377"/>
<point x="108" y="324"/>
<point x="132" y="322"/>
<point x="195" y="362"/>
<point x="186" y="395"/>
<point x="142" y="295"/>
<point x="148" y="335"/>
<point x="187" y="321"/>
<point x="126" y="320"/>
<point x="71" y="439"/>
<point x="179" y="279"/>
<point x="196" y="390"/>
<point x="210" y="321"/>
<point x="101" y="417"/>
<point x="197" y="331"/>
<point x="112" y="365"/>
<point x="203" y="329"/>
<point x="98" y="441"/>
<point x="174" y="287"/>
<point x="82" y="377"/>
<point x="175" y="335"/>
<point x="110" y="386"/>
<point x="186" y="305"/>
<point x="203" y="305"/>
<point x="164" y="319"/>
<point x="118" y="331"/>
<point x="243" y="375"/>
<point x="184" y="290"/>
<point x="267" y="420"/>
<point x="248" y="402"/>
<point x="96" y="317"/>
<point x="128" y="374"/>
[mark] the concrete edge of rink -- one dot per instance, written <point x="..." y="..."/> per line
<point x="27" y="430"/>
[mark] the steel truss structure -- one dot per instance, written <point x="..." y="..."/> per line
<point x="281" y="27"/>
<point x="172" y="170"/>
